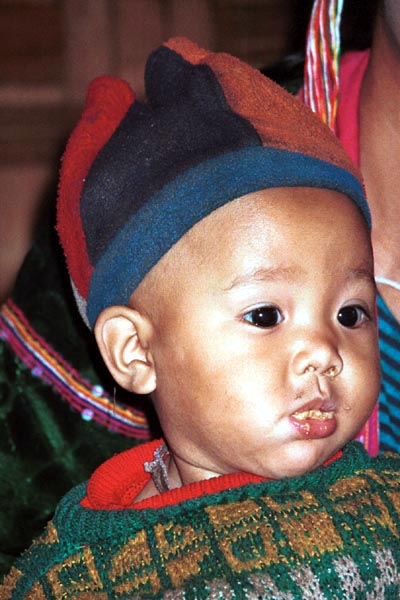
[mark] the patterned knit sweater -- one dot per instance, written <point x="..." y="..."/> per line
<point x="330" y="534"/>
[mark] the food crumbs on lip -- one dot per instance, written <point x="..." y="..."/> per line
<point x="314" y="414"/>
<point x="307" y="427"/>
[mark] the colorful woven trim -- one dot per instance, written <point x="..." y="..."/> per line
<point x="90" y="400"/>
<point x="321" y="73"/>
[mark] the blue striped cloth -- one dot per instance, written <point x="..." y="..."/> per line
<point x="389" y="399"/>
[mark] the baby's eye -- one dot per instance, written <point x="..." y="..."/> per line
<point x="352" y="316"/>
<point x="264" y="316"/>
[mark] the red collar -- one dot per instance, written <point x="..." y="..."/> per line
<point x="117" y="482"/>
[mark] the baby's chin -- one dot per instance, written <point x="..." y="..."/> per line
<point x="300" y="457"/>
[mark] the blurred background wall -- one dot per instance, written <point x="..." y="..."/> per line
<point x="51" y="49"/>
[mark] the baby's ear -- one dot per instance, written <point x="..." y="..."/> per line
<point x="123" y="336"/>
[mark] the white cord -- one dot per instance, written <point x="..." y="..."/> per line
<point x="386" y="281"/>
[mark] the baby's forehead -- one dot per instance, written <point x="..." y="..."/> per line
<point x="268" y="209"/>
<point x="273" y="221"/>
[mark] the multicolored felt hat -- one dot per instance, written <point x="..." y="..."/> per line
<point x="137" y="176"/>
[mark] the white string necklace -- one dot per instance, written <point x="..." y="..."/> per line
<point x="390" y="282"/>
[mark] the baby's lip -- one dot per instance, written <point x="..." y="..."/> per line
<point x="322" y="405"/>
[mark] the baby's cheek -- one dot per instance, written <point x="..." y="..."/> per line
<point x="355" y="414"/>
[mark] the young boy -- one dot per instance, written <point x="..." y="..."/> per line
<point x="218" y="243"/>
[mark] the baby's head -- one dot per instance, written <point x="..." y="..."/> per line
<point x="217" y="240"/>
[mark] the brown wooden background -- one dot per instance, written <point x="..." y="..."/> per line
<point x="49" y="51"/>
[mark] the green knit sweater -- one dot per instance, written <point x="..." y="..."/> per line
<point x="330" y="534"/>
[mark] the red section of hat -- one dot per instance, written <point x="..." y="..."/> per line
<point x="107" y="102"/>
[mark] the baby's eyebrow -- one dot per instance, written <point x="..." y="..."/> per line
<point x="362" y="273"/>
<point x="265" y="274"/>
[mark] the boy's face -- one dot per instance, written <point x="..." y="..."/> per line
<point x="264" y="340"/>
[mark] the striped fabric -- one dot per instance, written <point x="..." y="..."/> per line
<point x="389" y="340"/>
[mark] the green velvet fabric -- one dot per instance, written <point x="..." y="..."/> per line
<point x="45" y="446"/>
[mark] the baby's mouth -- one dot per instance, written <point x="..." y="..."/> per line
<point x="317" y="419"/>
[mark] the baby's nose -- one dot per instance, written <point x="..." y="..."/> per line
<point x="319" y="356"/>
<point x="331" y="371"/>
